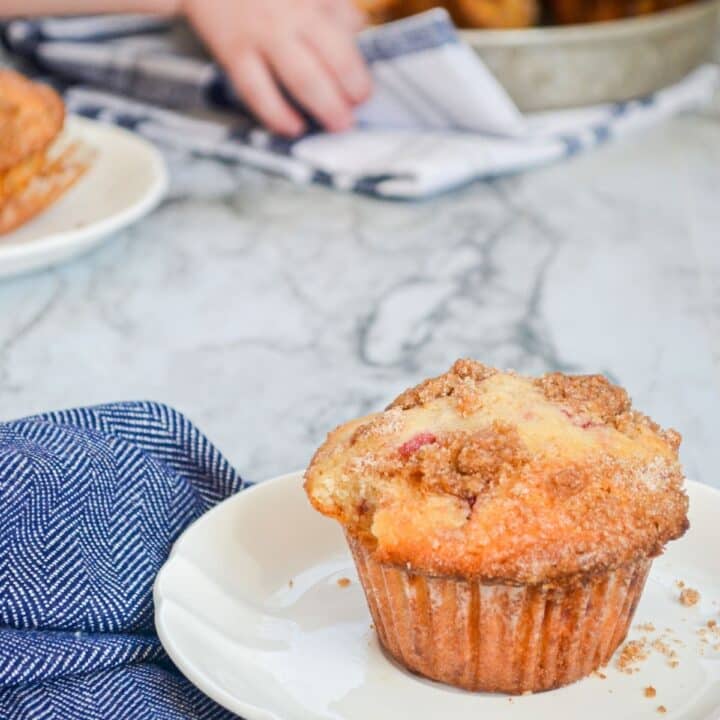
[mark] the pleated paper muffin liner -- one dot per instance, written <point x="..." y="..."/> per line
<point x="494" y="637"/>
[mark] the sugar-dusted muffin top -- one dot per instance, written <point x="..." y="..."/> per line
<point x="492" y="474"/>
<point x="31" y="117"/>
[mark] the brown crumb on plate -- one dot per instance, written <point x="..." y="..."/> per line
<point x="680" y="584"/>
<point x="632" y="653"/>
<point x="663" y="648"/>
<point x="662" y="709"/>
<point x="650" y="692"/>
<point x="689" y="597"/>
<point x="600" y="675"/>
<point x="646" y="627"/>
<point x="343" y="582"/>
<point x="290" y="582"/>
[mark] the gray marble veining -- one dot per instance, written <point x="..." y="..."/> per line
<point x="268" y="313"/>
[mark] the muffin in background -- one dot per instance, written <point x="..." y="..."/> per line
<point x="496" y="14"/>
<point x="503" y="526"/>
<point x="32" y="176"/>
<point x="413" y="7"/>
<point x="571" y="12"/>
<point x="465" y="13"/>
<point x="507" y="14"/>
<point x="380" y="11"/>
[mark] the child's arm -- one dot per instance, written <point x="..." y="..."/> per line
<point x="306" y="47"/>
<point x="23" y="8"/>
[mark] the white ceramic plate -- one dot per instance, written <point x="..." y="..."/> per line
<point x="127" y="179"/>
<point x="249" y="608"/>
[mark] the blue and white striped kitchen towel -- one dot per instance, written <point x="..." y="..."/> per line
<point x="91" y="502"/>
<point x="437" y="118"/>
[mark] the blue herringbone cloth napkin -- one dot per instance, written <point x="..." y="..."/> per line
<point x="91" y="502"/>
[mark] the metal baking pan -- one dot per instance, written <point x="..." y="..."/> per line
<point x="574" y="65"/>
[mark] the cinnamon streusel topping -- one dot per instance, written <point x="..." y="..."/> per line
<point x="495" y="475"/>
<point x="31" y="116"/>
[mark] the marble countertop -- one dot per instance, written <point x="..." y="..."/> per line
<point x="268" y="312"/>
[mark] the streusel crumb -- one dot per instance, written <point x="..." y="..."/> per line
<point x="689" y="597"/>
<point x="632" y="653"/>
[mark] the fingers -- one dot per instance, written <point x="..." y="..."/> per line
<point x="308" y="80"/>
<point x="316" y="61"/>
<point x="338" y="52"/>
<point x="255" y="84"/>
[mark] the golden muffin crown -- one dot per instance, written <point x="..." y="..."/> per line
<point x="31" y="117"/>
<point x="492" y="474"/>
<point x="34" y="171"/>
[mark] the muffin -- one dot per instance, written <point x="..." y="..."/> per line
<point x="503" y="526"/>
<point x="465" y="13"/>
<point x="380" y="11"/>
<point x="31" y="176"/>
<point x="569" y="12"/>
<point x="495" y="14"/>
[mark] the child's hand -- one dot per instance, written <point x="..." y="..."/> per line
<point x="305" y="46"/>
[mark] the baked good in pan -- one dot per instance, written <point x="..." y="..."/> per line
<point x="465" y="13"/>
<point x="380" y="11"/>
<point x="570" y="12"/>
<point x="497" y="14"/>
<point x="494" y="13"/>
<point x="503" y="526"/>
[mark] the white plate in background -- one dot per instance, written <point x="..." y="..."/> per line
<point x="249" y="608"/>
<point x="126" y="180"/>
